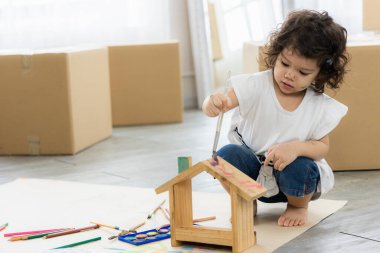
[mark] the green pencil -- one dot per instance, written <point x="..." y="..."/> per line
<point x="27" y="237"/>
<point x="35" y="236"/>
<point x="79" y="243"/>
<point x="2" y="227"/>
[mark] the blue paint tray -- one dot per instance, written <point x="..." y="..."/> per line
<point x="131" y="238"/>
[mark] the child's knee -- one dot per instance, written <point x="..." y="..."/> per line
<point x="240" y="157"/>
<point x="299" y="178"/>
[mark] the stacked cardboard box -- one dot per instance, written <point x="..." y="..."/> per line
<point x="145" y="84"/>
<point x="371" y="18"/>
<point x="54" y="102"/>
<point x="354" y="144"/>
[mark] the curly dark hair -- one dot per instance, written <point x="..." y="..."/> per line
<point x="313" y="35"/>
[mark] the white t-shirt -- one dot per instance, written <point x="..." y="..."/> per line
<point x="262" y="121"/>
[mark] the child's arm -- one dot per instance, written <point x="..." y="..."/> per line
<point x="285" y="153"/>
<point x="218" y="101"/>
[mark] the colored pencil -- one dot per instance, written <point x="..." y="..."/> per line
<point x="27" y="237"/>
<point x="72" y="231"/>
<point x="79" y="243"/>
<point x="3" y="226"/>
<point x="35" y="232"/>
<point x="33" y="236"/>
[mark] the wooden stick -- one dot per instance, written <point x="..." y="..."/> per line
<point x="194" y="221"/>
<point x="204" y="219"/>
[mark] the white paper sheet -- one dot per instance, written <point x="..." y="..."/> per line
<point x="34" y="204"/>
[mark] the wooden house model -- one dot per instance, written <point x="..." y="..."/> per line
<point x="243" y="191"/>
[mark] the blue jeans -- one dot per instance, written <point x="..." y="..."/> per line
<point x="297" y="179"/>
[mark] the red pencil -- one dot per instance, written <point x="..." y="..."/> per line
<point x="35" y="232"/>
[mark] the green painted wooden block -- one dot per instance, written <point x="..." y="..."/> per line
<point x="184" y="162"/>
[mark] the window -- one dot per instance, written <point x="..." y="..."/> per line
<point x="248" y="20"/>
<point x="36" y="24"/>
<point x="253" y="20"/>
<point x="350" y="18"/>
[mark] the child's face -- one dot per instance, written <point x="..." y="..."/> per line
<point x="293" y="73"/>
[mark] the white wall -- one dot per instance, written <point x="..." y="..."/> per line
<point x="179" y="30"/>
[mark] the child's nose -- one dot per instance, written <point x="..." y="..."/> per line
<point x="289" y="75"/>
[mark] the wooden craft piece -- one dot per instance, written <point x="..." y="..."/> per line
<point x="243" y="191"/>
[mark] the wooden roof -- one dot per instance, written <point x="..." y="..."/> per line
<point x="246" y="187"/>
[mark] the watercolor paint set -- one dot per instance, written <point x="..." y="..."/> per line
<point x="147" y="236"/>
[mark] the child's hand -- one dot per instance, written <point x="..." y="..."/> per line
<point x="281" y="155"/>
<point x="216" y="103"/>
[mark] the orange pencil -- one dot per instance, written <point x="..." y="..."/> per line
<point x="34" y="236"/>
<point x="71" y="231"/>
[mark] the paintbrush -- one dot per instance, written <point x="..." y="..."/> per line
<point x="155" y="210"/>
<point x="219" y="123"/>
<point x="107" y="226"/>
<point x="167" y="215"/>
<point x="125" y="232"/>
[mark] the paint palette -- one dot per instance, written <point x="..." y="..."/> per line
<point x="147" y="236"/>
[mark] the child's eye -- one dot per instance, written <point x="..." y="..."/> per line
<point x="284" y="64"/>
<point x="303" y="73"/>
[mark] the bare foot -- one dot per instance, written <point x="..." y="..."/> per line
<point x="293" y="216"/>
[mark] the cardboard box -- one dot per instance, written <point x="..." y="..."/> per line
<point x="354" y="144"/>
<point x="145" y="84"/>
<point x="253" y="57"/>
<point x="54" y="103"/>
<point x="371" y="18"/>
